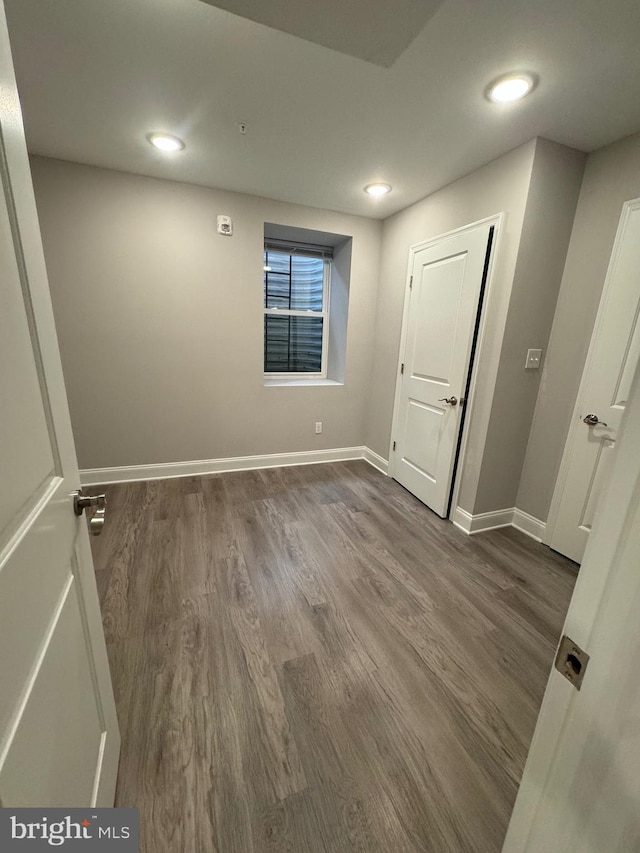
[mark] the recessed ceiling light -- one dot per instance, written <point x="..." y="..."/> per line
<point x="377" y="189"/>
<point x="165" y="142"/>
<point x="511" y="87"/>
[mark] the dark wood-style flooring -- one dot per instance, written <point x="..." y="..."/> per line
<point x="307" y="659"/>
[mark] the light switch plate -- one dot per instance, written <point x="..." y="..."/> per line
<point x="534" y="358"/>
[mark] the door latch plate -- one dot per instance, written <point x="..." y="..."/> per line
<point x="571" y="661"/>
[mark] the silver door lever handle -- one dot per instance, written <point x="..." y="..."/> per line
<point x="593" y="420"/>
<point x="96" y="522"/>
<point x="81" y="502"/>
<point x="452" y="401"/>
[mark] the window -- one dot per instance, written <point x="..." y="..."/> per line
<point x="296" y="308"/>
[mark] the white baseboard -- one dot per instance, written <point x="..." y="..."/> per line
<point x="528" y="524"/>
<point x="375" y="460"/>
<point x="169" y="470"/>
<point x="462" y="519"/>
<point x="471" y="524"/>
<point x="481" y="521"/>
<point x="512" y="517"/>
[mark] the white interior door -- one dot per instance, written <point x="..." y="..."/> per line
<point x="59" y="740"/>
<point x="580" y="792"/>
<point x="611" y="362"/>
<point x="440" y="318"/>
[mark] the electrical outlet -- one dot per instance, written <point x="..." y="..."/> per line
<point x="318" y="427"/>
<point x="534" y="357"/>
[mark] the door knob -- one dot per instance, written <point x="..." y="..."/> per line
<point x="593" y="420"/>
<point x="81" y="502"/>
<point x="452" y="401"/>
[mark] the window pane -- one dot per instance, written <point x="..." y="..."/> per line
<point x="277" y="280"/>
<point x="307" y="283"/>
<point x="276" y="290"/>
<point x="292" y="344"/>
<point x="293" y="282"/>
<point x="278" y="261"/>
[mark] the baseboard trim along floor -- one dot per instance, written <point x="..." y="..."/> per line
<point x="169" y="470"/>
<point x="471" y="524"/>
<point x="513" y="517"/>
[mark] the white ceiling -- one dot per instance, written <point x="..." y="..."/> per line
<point x="95" y="76"/>
<point x="375" y="30"/>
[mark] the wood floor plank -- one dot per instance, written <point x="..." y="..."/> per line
<point x="276" y="739"/>
<point x="348" y="814"/>
<point x="458" y="681"/>
<point x="286" y="624"/>
<point x="308" y="660"/>
<point x="438" y="746"/>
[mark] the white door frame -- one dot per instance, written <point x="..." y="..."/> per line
<point x="490" y="361"/>
<point x="563" y="472"/>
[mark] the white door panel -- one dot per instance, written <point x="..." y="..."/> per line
<point x="34" y="574"/>
<point x="423" y="428"/>
<point x="433" y="321"/>
<point x="440" y="321"/>
<point x="59" y="740"/>
<point x="53" y="757"/>
<point x="604" y="389"/>
<point x="581" y="787"/>
<point x="27" y="455"/>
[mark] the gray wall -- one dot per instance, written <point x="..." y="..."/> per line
<point x="160" y="320"/>
<point x="551" y="205"/>
<point x="537" y="187"/>
<point x="142" y="283"/>
<point x="501" y="186"/>
<point x="612" y="176"/>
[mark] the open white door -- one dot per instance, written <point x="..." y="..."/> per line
<point x="580" y="792"/>
<point x="59" y="740"/>
<point x="611" y="362"/>
<point x="438" y="334"/>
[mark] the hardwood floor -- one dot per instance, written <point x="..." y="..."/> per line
<point x="307" y="659"/>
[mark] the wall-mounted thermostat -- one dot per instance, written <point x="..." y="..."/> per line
<point x="225" y="225"/>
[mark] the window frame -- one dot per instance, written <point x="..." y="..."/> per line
<point x="327" y="260"/>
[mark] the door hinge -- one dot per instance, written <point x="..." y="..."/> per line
<point x="411" y="283"/>
<point x="394" y="445"/>
<point x="401" y="369"/>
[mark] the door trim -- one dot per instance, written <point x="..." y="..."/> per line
<point x="563" y="472"/>
<point x="490" y="361"/>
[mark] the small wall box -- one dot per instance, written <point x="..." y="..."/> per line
<point x="534" y="357"/>
<point x="225" y="225"/>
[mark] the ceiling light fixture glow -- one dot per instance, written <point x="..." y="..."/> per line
<point x="511" y="87"/>
<point x="165" y="142"/>
<point x="377" y="190"/>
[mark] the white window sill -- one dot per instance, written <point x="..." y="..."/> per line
<point x="286" y="381"/>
